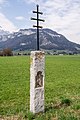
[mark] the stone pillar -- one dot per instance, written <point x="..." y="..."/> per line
<point x="37" y="81"/>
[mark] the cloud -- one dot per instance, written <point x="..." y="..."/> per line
<point x="31" y="1"/>
<point x="2" y="2"/>
<point x="6" y="24"/>
<point x="34" y="1"/>
<point x="62" y="16"/>
<point x="19" y="18"/>
<point x="66" y="18"/>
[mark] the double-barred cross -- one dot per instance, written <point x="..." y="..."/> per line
<point x="37" y="26"/>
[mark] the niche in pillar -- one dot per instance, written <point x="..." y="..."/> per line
<point x="39" y="80"/>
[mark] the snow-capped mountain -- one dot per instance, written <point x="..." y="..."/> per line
<point x="3" y="32"/>
<point x="5" y="35"/>
<point x="25" y="39"/>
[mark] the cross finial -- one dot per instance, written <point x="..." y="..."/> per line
<point x="37" y="26"/>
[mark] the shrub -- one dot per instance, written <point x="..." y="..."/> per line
<point x="6" y="52"/>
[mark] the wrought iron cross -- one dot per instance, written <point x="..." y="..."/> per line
<point x="37" y="26"/>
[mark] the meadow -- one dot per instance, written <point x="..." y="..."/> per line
<point x="62" y="88"/>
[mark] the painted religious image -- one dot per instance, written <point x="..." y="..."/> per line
<point x="39" y="80"/>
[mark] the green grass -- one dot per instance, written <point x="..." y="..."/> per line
<point x="62" y="88"/>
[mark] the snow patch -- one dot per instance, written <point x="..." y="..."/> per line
<point x="54" y="35"/>
<point x="22" y="44"/>
<point x="27" y="32"/>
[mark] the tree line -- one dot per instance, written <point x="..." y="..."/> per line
<point x="6" y="52"/>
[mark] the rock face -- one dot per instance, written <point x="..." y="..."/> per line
<point x="37" y="81"/>
<point x="25" y="39"/>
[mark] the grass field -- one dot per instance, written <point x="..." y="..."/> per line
<point x="62" y="88"/>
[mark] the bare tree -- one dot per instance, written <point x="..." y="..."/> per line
<point x="7" y="52"/>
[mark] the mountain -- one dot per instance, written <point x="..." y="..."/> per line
<point x="25" y="39"/>
<point x="3" y="34"/>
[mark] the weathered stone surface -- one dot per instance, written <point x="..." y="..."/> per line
<point x="37" y="81"/>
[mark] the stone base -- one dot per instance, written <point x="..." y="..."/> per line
<point x="37" y="81"/>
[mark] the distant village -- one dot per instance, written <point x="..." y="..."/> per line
<point x="9" y="52"/>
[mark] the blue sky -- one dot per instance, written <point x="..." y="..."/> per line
<point x="62" y="16"/>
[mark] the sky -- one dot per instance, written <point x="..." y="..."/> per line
<point x="62" y="16"/>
